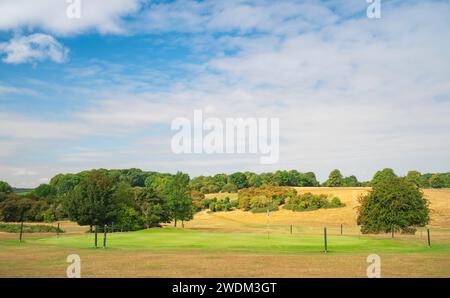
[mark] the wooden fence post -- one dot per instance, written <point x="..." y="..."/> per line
<point x="21" y="231"/>
<point x="95" y="236"/>
<point x="104" y="236"/>
<point x="429" y="237"/>
<point x="325" y="239"/>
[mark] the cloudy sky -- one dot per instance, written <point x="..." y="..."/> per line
<point x="101" y="90"/>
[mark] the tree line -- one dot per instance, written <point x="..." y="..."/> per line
<point x="132" y="199"/>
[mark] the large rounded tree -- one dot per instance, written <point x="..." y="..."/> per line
<point x="5" y="187"/>
<point x="393" y="203"/>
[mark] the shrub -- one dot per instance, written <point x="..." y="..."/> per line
<point x="15" y="228"/>
<point x="225" y="204"/>
<point x="229" y="187"/>
<point x="336" y="203"/>
<point x="276" y="195"/>
<point x="310" y="202"/>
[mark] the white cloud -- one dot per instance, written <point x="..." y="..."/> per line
<point x="51" y="15"/>
<point x="32" y="48"/>
<point x="280" y="17"/>
<point x="354" y="94"/>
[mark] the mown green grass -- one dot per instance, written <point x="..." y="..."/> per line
<point x="178" y="239"/>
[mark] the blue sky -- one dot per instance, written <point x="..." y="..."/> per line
<point x="351" y="92"/>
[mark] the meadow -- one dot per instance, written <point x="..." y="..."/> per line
<point x="241" y="244"/>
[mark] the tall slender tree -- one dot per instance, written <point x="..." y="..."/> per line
<point x="179" y="198"/>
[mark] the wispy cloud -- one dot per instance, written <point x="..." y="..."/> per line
<point x="32" y="48"/>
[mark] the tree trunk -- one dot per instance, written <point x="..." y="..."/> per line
<point x="175" y="222"/>
<point x="182" y="224"/>
<point x="90" y="229"/>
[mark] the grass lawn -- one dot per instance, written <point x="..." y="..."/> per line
<point x="195" y="253"/>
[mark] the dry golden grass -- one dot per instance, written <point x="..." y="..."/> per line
<point x="48" y="262"/>
<point x="314" y="221"/>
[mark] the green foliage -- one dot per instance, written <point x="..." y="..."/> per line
<point x="44" y="191"/>
<point x="310" y="202"/>
<point x="264" y="196"/>
<point x="335" y="179"/>
<point x="393" y="203"/>
<point x="179" y="199"/>
<point x="438" y="181"/>
<point x="65" y="183"/>
<point x="152" y="207"/>
<point x="414" y="177"/>
<point x="15" y="228"/>
<point x="262" y="203"/>
<point x="92" y="201"/>
<point x="239" y="179"/>
<point x="230" y="188"/>
<point x="157" y="181"/>
<point x="15" y="208"/>
<point x="216" y="205"/>
<point x="350" y="181"/>
<point x="385" y="174"/>
<point x="5" y="187"/>
<point x="128" y="219"/>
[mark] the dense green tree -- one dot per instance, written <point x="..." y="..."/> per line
<point x="15" y="209"/>
<point x="91" y="202"/>
<point x="220" y="180"/>
<point x="437" y="181"/>
<point x="267" y="179"/>
<point x="64" y="183"/>
<point x="393" y="203"/>
<point x="179" y="199"/>
<point x="239" y="179"/>
<point x="384" y="174"/>
<point x="309" y="179"/>
<point x="282" y="178"/>
<point x="254" y="180"/>
<point x="5" y="187"/>
<point x="350" y="181"/>
<point x="44" y="191"/>
<point x="128" y="219"/>
<point x="157" y="182"/>
<point x="415" y="177"/>
<point x="335" y="179"/>
<point x="153" y="207"/>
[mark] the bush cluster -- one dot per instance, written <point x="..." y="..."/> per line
<point x="310" y="202"/>
<point x="264" y="197"/>
<point x="15" y="228"/>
